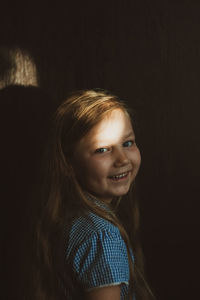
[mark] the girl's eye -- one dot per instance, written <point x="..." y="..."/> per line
<point x="101" y="150"/>
<point x="128" y="143"/>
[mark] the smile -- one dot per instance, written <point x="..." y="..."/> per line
<point x="120" y="176"/>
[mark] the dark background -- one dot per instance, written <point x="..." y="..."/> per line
<point x="148" y="53"/>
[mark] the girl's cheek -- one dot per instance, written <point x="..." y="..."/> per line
<point x="139" y="157"/>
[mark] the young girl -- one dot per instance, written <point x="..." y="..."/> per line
<point x="88" y="233"/>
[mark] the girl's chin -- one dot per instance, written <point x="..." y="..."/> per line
<point x="108" y="196"/>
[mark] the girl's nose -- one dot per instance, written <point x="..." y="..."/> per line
<point x="120" y="158"/>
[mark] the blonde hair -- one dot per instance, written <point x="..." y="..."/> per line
<point x="64" y="197"/>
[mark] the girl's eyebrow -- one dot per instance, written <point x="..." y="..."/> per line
<point x="102" y="144"/>
<point x="131" y="133"/>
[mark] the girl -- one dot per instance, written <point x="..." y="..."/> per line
<point x="88" y="233"/>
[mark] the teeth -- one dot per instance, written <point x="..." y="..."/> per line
<point x="119" y="176"/>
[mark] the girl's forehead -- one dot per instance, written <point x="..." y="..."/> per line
<point x="113" y="127"/>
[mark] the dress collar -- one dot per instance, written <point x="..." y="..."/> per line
<point x="98" y="202"/>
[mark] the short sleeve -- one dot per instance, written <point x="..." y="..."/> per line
<point x="101" y="260"/>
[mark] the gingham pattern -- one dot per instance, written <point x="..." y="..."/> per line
<point x="98" y="253"/>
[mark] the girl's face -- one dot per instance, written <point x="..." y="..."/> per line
<point x="107" y="159"/>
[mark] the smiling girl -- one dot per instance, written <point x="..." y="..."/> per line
<point x="88" y="233"/>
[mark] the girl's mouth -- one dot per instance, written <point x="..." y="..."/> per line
<point x="120" y="176"/>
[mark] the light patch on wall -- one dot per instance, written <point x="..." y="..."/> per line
<point x="17" y="67"/>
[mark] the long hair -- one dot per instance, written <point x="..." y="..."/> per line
<point x="63" y="196"/>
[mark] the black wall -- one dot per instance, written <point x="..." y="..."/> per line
<point x="147" y="52"/>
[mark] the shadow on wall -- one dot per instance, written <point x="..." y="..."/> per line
<point x="24" y="123"/>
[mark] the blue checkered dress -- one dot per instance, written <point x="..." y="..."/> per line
<point x="98" y="254"/>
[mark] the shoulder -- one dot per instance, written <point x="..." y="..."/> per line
<point x="97" y="252"/>
<point x="90" y="226"/>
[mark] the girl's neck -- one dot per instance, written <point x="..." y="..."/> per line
<point x="106" y="201"/>
<point x="110" y="205"/>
